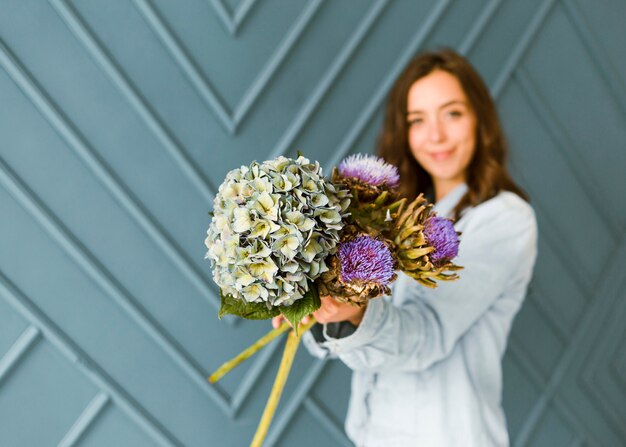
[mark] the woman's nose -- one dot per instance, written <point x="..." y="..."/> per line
<point x="437" y="132"/>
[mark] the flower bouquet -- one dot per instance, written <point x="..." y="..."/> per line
<point x="282" y="234"/>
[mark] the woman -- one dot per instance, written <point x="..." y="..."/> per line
<point x="427" y="363"/>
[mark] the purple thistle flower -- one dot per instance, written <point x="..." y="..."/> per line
<point x="367" y="259"/>
<point x="370" y="169"/>
<point x="440" y="233"/>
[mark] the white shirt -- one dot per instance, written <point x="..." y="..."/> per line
<point x="427" y="362"/>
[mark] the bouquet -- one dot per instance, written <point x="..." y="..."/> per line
<point x="282" y="234"/>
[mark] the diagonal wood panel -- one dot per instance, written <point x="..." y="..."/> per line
<point x="600" y="380"/>
<point x="86" y="419"/>
<point x="232" y="20"/>
<point x="287" y="140"/>
<point x="230" y="119"/>
<point x="598" y="311"/>
<point x="41" y="325"/>
<point x="19" y="349"/>
<point x="131" y="92"/>
<point x="104" y="279"/>
<point x="528" y="435"/>
<point x="104" y="173"/>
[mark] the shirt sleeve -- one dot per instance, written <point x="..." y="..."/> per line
<point x="497" y="251"/>
<point x="317" y="335"/>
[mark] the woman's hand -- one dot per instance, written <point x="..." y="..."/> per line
<point x="332" y="311"/>
<point x="277" y="321"/>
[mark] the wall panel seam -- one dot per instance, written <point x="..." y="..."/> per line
<point x="281" y="421"/>
<point x="187" y="64"/>
<point x="381" y="92"/>
<point x="85" y="420"/>
<point x="612" y="333"/>
<point x="326" y="421"/>
<point x="561" y="138"/>
<point x="256" y="89"/>
<point x="98" y="273"/>
<point x="520" y="49"/>
<point x="598" y="55"/>
<point x="524" y="362"/>
<point x="578" y="441"/>
<point x="233" y="21"/>
<point x="603" y="404"/>
<point x="130" y="92"/>
<point x="608" y="292"/>
<point x="328" y="79"/>
<point x="106" y="176"/>
<point x="527" y="363"/>
<point x="479" y="26"/>
<point x="617" y="371"/>
<point x="249" y="381"/>
<point x="64" y="344"/>
<point x="560" y="247"/>
<point x="230" y="119"/>
<point x="549" y="313"/>
<point x="18" y="351"/>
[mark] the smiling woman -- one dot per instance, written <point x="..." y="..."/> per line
<point x="427" y="362"/>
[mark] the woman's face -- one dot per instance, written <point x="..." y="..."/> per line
<point x="442" y="129"/>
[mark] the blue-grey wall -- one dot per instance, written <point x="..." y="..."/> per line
<point x="118" y="119"/>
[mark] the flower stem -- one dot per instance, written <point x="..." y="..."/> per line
<point x="293" y="340"/>
<point x="248" y="352"/>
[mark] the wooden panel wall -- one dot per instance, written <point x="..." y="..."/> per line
<point x="119" y="118"/>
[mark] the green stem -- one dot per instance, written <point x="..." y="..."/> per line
<point x="381" y="198"/>
<point x="397" y="205"/>
<point x="291" y="347"/>
<point x="248" y="352"/>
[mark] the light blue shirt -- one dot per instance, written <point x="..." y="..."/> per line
<point x="427" y="363"/>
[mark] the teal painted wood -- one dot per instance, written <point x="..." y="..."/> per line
<point x="119" y="119"/>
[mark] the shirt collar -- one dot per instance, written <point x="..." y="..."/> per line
<point x="445" y="206"/>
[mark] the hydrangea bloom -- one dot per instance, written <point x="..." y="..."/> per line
<point x="273" y="225"/>
<point x="366" y="259"/>
<point x="441" y="235"/>
<point x="370" y="169"/>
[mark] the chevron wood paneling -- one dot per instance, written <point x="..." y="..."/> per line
<point x="119" y="119"/>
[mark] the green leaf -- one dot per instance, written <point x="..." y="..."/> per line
<point x="303" y="307"/>
<point x="243" y="309"/>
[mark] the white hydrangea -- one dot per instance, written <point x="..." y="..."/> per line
<point x="273" y="225"/>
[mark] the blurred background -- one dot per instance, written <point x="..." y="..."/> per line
<point x="118" y="120"/>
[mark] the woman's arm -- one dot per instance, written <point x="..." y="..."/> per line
<point x="498" y="251"/>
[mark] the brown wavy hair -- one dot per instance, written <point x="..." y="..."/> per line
<point x="486" y="174"/>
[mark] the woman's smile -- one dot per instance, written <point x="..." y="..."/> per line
<point x="441" y="156"/>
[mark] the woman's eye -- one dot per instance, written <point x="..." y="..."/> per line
<point x="455" y="114"/>
<point x="415" y="121"/>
